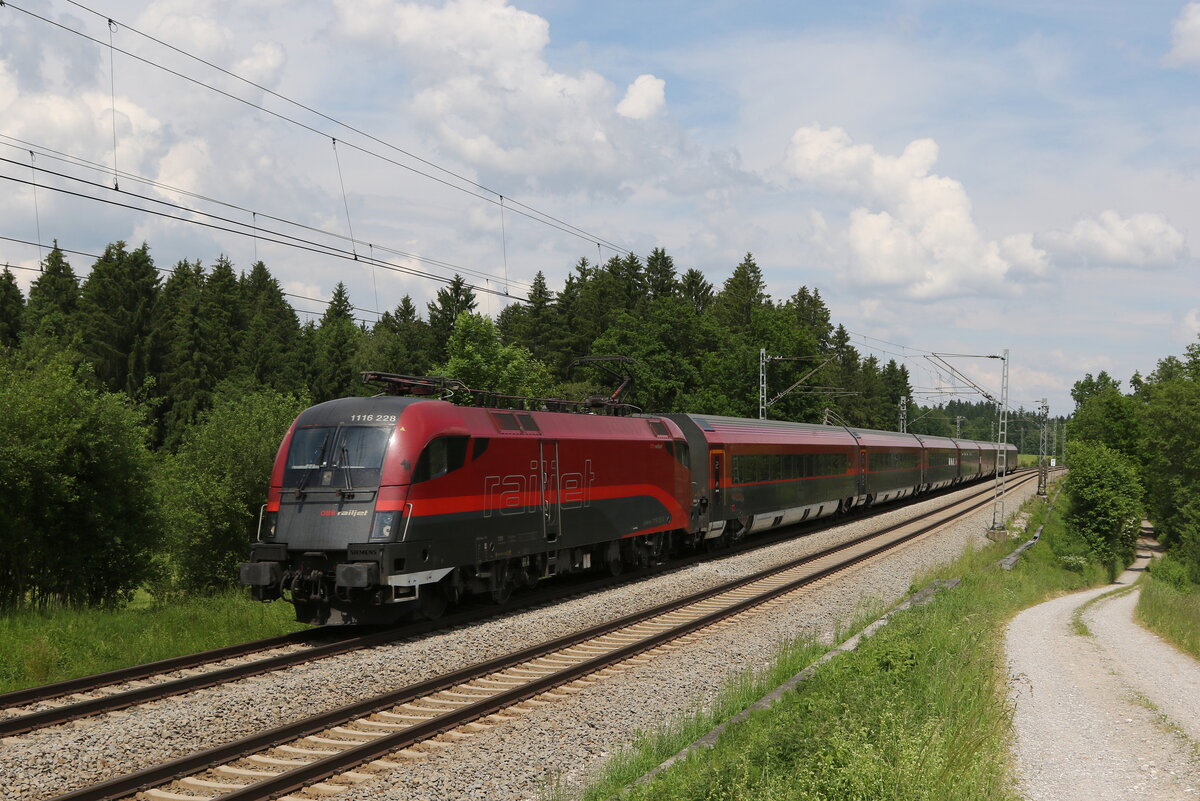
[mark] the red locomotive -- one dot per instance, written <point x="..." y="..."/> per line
<point x="382" y="506"/>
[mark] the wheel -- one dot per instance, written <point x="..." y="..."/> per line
<point x="501" y="588"/>
<point x="433" y="602"/>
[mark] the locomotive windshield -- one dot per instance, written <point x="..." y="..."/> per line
<point x="336" y="456"/>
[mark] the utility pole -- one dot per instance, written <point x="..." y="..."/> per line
<point x="903" y="415"/>
<point x="958" y="418"/>
<point x="762" y="383"/>
<point x="1000" y="436"/>
<point x="1002" y="445"/>
<point x="763" y="358"/>
<point x="1045" y="431"/>
<point x="1056" y="443"/>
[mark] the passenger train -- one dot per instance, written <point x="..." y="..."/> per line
<point x="386" y="506"/>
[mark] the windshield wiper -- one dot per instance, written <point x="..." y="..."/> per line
<point x="317" y="463"/>
<point x="344" y="458"/>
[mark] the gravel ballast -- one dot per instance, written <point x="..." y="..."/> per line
<point x="561" y="743"/>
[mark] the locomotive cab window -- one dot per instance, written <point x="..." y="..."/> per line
<point x="336" y="456"/>
<point x="441" y="456"/>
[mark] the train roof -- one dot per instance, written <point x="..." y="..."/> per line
<point x="741" y="429"/>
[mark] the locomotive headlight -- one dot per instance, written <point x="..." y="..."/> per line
<point x="266" y="526"/>
<point x="384" y="526"/>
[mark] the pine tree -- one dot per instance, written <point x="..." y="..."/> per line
<point x="118" y="308"/>
<point x="743" y="292"/>
<point x="631" y="278"/>
<point x="451" y="301"/>
<point x="697" y="290"/>
<point x="54" y="301"/>
<point x="185" y="380"/>
<point x="398" y="343"/>
<point x="568" y="343"/>
<point x="336" y="343"/>
<point x="12" y="310"/>
<point x="811" y="312"/>
<point x="540" y="321"/>
<point x="268" y="352"/>
<point x="661" y="281"/>
<point x="603" y="294"/>
<point x="222" y="318"/>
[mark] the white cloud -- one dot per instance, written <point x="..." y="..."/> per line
<point x="264" y="65"/>
<point x="1185" y="37"/>
<point x="483" y="91"/>
<point x="178" y="22"/>
<point x="1188" y="328"/>
<point x="645" y="98"/>
<point x="1141" y="240"/>
<point x="915" y="230"/>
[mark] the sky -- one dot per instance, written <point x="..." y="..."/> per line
<point x="954" y="177"/>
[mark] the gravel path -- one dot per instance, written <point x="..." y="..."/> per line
<point x="1084" y="729"/>
<point x="561" y="743"/>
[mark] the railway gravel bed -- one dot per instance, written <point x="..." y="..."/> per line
<point x="166" y="677"/>
<point x="563" y="741"/>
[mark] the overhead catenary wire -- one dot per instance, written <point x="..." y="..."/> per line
<point x="491" y="195"/>
<point x="77" y="161"/>
<point x="583" y="233"/>
<point x="171" y="271"/>
<point x="286" y="240"/>
<point x="324" y="250"/>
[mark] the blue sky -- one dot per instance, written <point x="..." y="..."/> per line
<point x="961" y="177"/>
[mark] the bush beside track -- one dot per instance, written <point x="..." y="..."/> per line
<point x="918" y="711"/>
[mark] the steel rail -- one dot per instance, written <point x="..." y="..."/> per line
<point x="123" y="786"/>
<point x="31" y="721"/>
<point x="47" y="692"/>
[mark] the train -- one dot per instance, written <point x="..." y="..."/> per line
<point x="387" y="507"/>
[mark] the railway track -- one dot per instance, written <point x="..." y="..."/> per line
<point x="62" y="702"/>
<point x="327" y="753"/>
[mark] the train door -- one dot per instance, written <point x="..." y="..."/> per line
<point x="551" y="507"/>
<point x="862" y="472"/>
<point x="718" y="464"/>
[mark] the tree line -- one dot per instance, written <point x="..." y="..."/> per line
<point x="140" y="414"/>
<point x="1138" y="452"/>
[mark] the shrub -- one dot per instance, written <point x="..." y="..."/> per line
<point x="77" y="517"/>
<point x="1104" y="501"/>
<point x="212" y="489"/>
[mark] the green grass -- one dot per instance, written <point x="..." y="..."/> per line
<point x="40" y="647"/>
<point x="1077" y="623"/>
<point x="1171" y="612"/>
<point x="918" y="712"/>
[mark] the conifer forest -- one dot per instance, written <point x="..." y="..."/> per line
<point x="143" y="405"/>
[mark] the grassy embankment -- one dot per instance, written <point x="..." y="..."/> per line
<point x="1170" y="605"/>
<point x="919" y="711"/>
<point x="57" y="644"/>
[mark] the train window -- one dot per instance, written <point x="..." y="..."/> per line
<point x="355" y="451"/>
<point x="481" y="445"/>
<point x="442" y="455"/>
<point x="506" y="421"/>
<point x="528" y="424"/>
<point x="776" y="467"/>
<point x="682" y="453"/>
<point x="737" y="470"/>
<point x="658" y="428"/>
